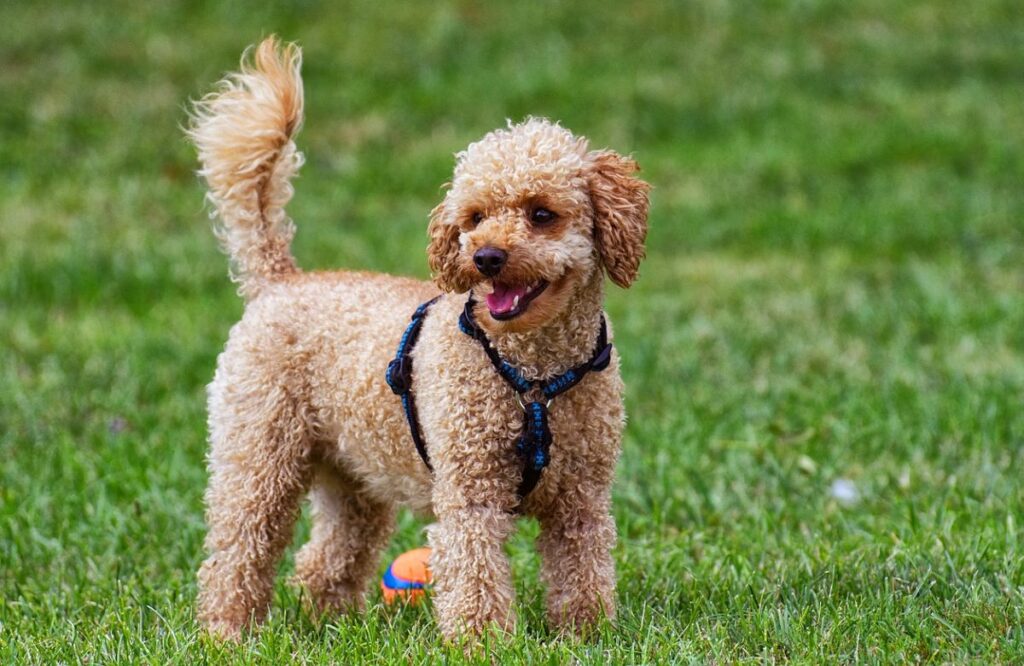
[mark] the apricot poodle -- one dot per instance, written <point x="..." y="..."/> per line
<point x="299" y="405"/>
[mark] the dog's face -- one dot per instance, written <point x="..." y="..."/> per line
<point x="530" y="216"/>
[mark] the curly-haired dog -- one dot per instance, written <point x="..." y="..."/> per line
<point x="299" y="404"/>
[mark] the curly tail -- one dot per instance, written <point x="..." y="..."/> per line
<point x="245" y="134"/>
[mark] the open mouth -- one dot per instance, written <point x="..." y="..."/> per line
<point x="509" y="301"/>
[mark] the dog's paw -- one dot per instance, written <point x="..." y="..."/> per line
<point x="224" y="631"/>
<point x="579" y="617"/>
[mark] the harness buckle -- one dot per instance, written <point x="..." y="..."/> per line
<point x="399" y="375"/>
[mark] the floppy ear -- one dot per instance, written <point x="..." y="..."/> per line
<point x="620" y="214"/>
<point x="443" y="249"/>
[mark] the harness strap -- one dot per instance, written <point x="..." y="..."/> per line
<point x="597" y="362"/>
<point x="467" y="324"/>
<point x="399" y="377"/>
<point x="534" y="446"/>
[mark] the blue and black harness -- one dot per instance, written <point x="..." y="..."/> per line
<point x="534" y="444"/>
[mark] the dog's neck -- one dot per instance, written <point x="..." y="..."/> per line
<point x="562" y="343"/>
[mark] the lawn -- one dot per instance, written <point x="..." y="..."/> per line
<point x="824" y="353"/>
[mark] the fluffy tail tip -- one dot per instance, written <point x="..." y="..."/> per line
<point x="244" y="132"/>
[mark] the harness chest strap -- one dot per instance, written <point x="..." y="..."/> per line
<point x="533" y="445"/>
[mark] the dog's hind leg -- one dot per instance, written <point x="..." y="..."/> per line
<point x="350" y="529"/>
<point x="259" y="470"/>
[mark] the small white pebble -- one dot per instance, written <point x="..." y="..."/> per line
<point x="845" y="491"/>
<point x="807" y="465"/>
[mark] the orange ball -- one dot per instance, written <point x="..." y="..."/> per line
<point x="408" y="577"/>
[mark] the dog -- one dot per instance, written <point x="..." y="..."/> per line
<point x="519" y="247"/>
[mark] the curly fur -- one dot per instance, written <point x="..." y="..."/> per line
<point x="299" y="406"/>
<point x="245" y="135"/>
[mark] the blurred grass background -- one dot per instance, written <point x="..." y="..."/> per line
<point x="834" y="292"/>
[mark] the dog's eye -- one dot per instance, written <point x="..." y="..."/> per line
<point x="477" y="218"/>
<point x="542" y="216"/>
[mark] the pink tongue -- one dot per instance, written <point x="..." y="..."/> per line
<point x="501" y="299"/>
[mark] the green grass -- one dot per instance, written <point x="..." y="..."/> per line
<point x="834" y="290"/>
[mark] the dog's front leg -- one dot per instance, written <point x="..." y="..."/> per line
<point x="576" y="541"/>
<point x="473" y="590"/>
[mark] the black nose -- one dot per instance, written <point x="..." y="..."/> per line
<point x="489" y="260"/>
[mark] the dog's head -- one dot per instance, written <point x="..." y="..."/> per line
<point x="531" y="214"/>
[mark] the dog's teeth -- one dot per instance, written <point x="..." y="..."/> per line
<point x="515" y="302"/>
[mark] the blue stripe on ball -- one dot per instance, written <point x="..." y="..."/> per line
<point x="393" y="582"/>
